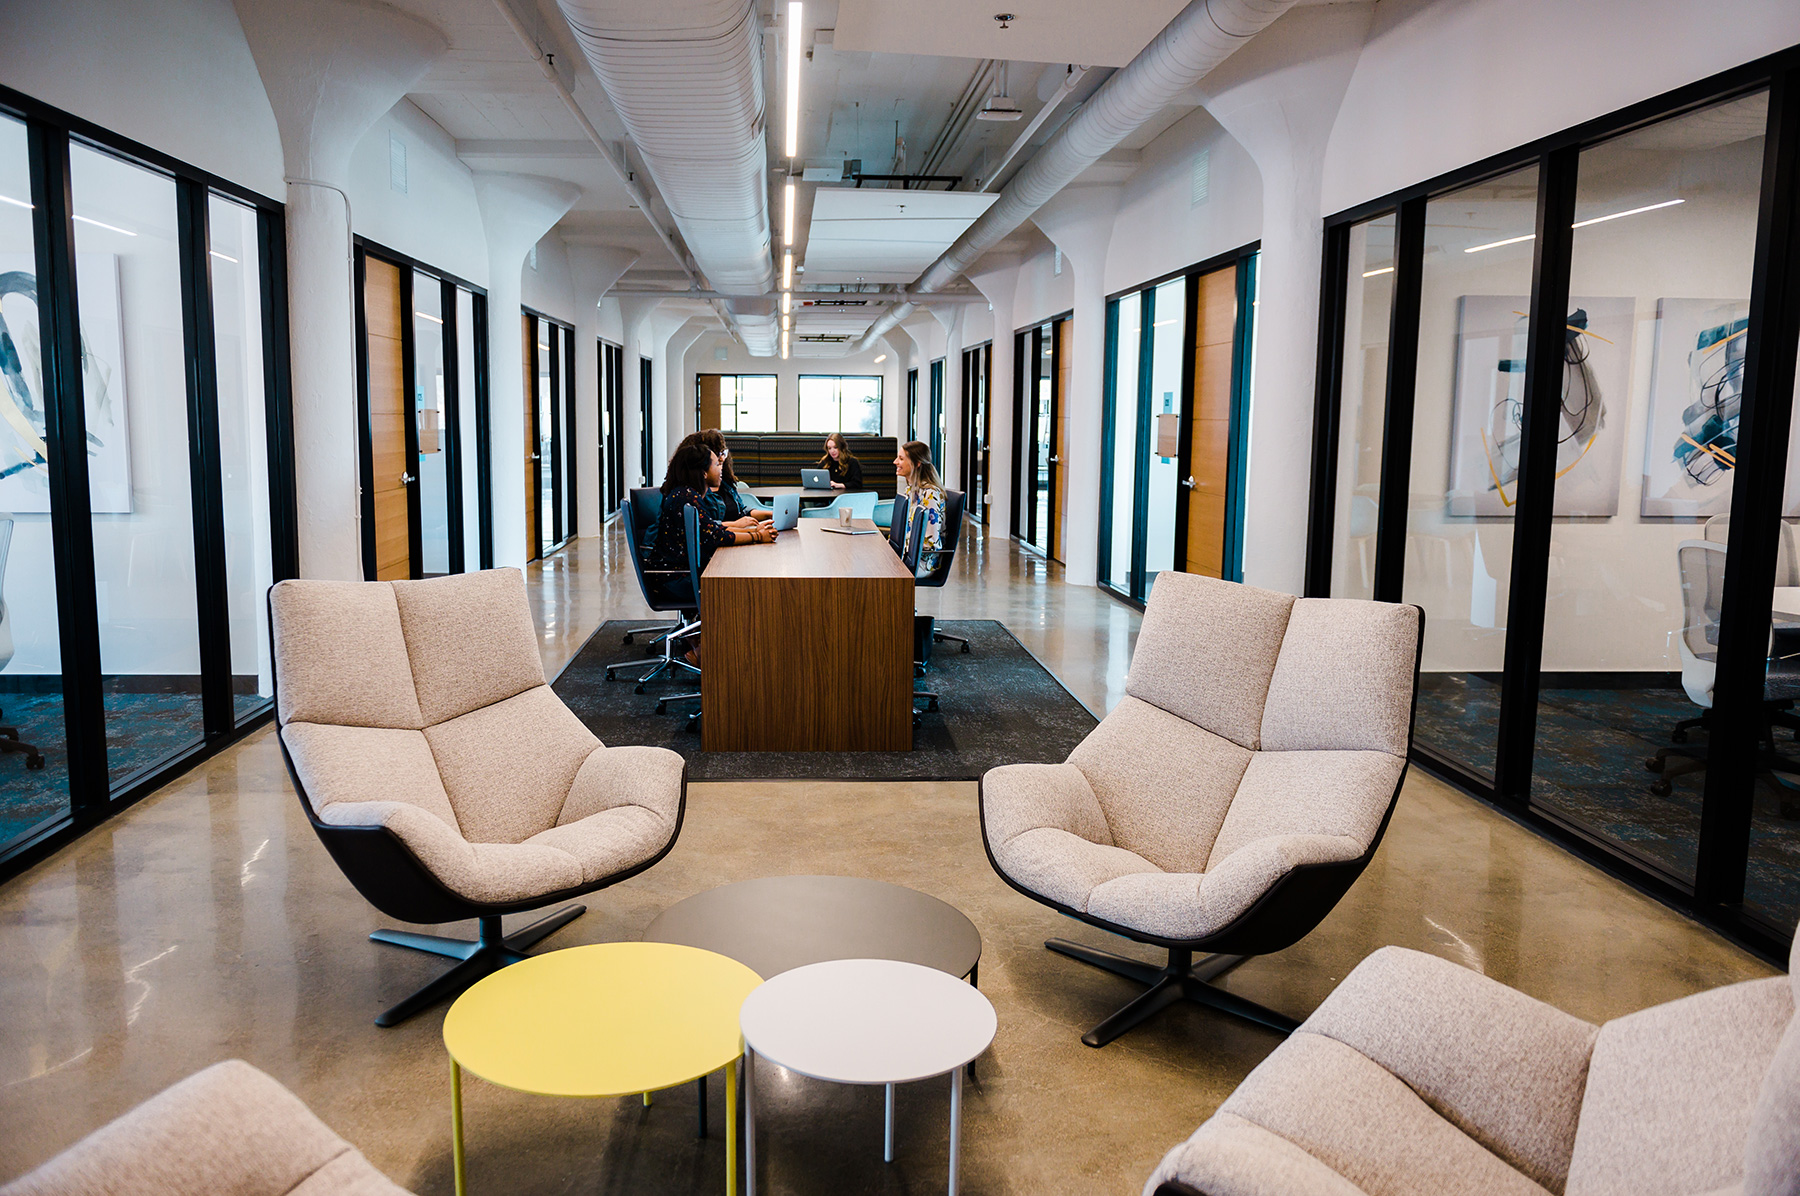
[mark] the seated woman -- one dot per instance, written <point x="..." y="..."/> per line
<point x="918" y="483"/>
<point x="725" y="502"/>
<point x="693" y="471"/>
<point x="845" y="469"/>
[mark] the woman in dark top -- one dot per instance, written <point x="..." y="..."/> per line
<point x="846" y="470"/>
<point x="725" y="502"/>
<point x="693" y="471"/>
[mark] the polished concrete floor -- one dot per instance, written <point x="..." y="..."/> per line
<point x="207" y="923"/>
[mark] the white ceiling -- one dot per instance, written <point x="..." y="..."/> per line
<point x="884" y="236"/>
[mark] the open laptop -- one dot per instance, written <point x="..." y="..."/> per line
<point x="815" y="479"/>
<point x="786" y="511"/>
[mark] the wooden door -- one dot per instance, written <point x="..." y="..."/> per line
<point x="534" y="541"/>
<point x="389" y="397"/>
<point x="1207" y="484"/>
<point x="1059" y="435"/>
<point x="709" y="400"/>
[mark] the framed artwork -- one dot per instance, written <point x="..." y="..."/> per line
<point x="1696" y="389"/>
<point x="1490" y="398"/>
<point x="24" y="472"/>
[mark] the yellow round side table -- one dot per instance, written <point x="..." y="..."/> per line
<point x="611" y="1019"/>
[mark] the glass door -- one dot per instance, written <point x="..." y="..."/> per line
<point x="974" y="433"/>
<point x="935" y="418"/>
<point x="432" y="466"/>
<point x="1044" y="361"/>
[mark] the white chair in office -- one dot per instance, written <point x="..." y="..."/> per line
<point x="1787" y="555"/>
<point x="861" y="505"/>
<point x="9" y="736"/>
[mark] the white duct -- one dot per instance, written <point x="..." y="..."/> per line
<point x="685" y="77"/>
<point x="1201" y="36"/>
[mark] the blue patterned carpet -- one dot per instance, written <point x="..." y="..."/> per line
<point x="1589" y="770"/>
<point x="141" y="730"/>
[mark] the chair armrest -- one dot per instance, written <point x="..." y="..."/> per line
<point x="1016" y="798"/>
<point x="1506" y="1069"/>
<point x="1229" y="1156"/>
<point x="229" y="1128"/>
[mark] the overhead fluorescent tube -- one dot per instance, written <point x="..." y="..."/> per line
<point x="787" y="302"/>
<point x="784" y="346"/>
<point x="793" y="79"/>
<point x="223" y="256"/>
<point x="787" y="270"/>
<point x="17" y="203"/>
<point x="787" y="221"/>
<point x="881" y="359"/>
<point x="1373" y="273"/>
<point x="784" y="322"/>
<point x="1667" y="203"/>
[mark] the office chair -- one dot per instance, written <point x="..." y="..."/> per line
<point x="884" y="514"/>
<point x="641" y="509"/>
<point x="696" y="566"/>
<point x="9" y="736"/>
<point x="953" y="521"/>
<point x="861" y="504"/>
<point x="1702" y="566"/>
<point x="897" y="525"/>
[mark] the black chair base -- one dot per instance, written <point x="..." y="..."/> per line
<point x="1180" y="980"/>
<point x="10" y="742"/>
<point x="942" y="637"/>
<point x="482" y="957"/>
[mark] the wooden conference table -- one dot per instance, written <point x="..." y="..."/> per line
<point x="807" y="645"/>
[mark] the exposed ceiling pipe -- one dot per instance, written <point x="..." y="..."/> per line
<point x="1201" y="36"/>
<point x="686" y="78"/>
<point x="962" y="115"/>
<point x="1070" y="82"/>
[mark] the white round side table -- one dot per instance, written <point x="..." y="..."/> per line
<point x="865" y="1021"/>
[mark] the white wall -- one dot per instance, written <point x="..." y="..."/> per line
<point x="435" y="220"/>
<point x="702" y="358"/>
<point x="546" y="286"/>
<point x="176" y="75"/>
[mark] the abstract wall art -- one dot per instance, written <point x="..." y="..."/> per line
<point x="1696" y="386"/>
<point x="24" y="472"/>
<point x="1490" y="398"/>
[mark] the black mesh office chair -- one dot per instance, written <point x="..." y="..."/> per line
<point x="897" y="526"/>
<point x="696" y="566"/>
<point x="641" y="510"/>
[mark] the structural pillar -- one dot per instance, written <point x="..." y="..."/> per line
<point x="331" y="70"/>
<point x="1080" y="221"/>
<point x="516" y="211"/>
<point x="593" y="270"/>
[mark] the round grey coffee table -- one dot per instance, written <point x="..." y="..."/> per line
<point x="777" y="923"/>
<point x="865" y="1021"/>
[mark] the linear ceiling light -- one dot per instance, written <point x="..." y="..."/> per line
<point x="1651" y="207"/>
<point x="224" y="257"/>
<point x="881" y="359"/>
<point x="110" y="227"/>
<point x="1373" y="273"/>
<point x="785" y="321"/>
<point x="17" y="203"/>
<point x="784" y="346"/>
<point x="787" y="220"/>
<point x="793" y="79"/>
<point x="787" y="270"/>
<point x="787" y="302"/>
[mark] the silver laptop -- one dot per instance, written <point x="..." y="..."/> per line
<point x="815" y="479"/>
<point x="786" y="511"/>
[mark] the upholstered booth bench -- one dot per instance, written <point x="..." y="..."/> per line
<point x="776" y="458"/>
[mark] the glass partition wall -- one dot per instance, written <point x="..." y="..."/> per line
<point x="1174" y="426"/>
<point x="146" y="487"/>
<point x="1041" y="362"/>
<point x="1555" y="412"/>
<point x="977" y="369"/>
<point x="550" y="473"/>
<point x="422" y="411"/>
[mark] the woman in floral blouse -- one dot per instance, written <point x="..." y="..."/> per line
<point x="918" y="481"/>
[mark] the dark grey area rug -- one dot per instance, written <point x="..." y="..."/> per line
<point x="997" y="705"/>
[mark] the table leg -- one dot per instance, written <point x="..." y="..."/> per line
<point x="955" y="1123"/>
<point x="646" y="1100"/>
<point x="731" y="1162"/>
<point x="749" y="1121"/>
<point x="456" y="1125"/>
<point x="700" y="1089"/>
<point x="887" y="1141"/>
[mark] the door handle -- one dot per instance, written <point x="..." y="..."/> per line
<point x="1189" y="481"/>
<point x="407" y="479"/>
<point x="535" y="457"/>
<point x="1056" y="460"/>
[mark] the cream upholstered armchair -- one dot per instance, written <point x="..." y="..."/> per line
<point x="441" y="772"/>
<point x="1233" y="795"/>
<point x="1419" y="1076"/>
<point x="228" y="1129"/>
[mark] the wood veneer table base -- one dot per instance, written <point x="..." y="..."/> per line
<point x="807" y="646"/>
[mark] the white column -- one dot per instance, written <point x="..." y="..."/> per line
<point x="951" y="465"/>
<point x="1080" y="221"/>
<point x="634" y="313"/>
<point x="1000" y="286"/>
<point x="331" y="70"/>
<point x="679" y="416"/>
<point x="1279" y="98"/>
<point x="516" y="210"/>
<point x="593" y="269"/>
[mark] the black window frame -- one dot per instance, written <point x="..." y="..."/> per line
<point x="1716" y="896"/>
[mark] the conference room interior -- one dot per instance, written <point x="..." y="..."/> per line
<point x="428" y="293"/>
